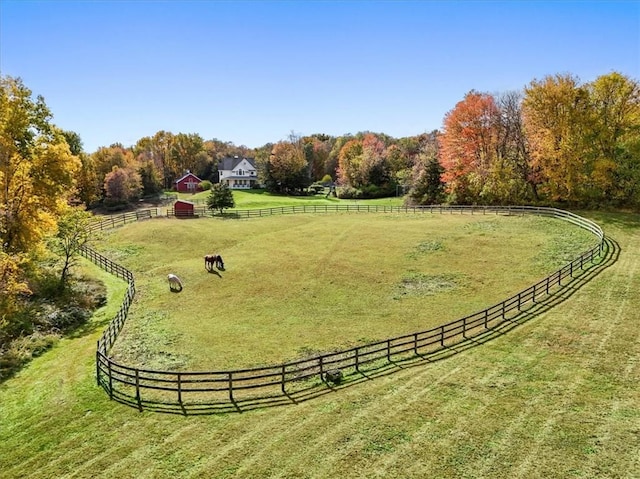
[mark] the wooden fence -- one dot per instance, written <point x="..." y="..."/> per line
<point x="113" y="221"/>
<point x="182" y="391"/>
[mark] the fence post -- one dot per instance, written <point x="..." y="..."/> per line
<point x="98" y="363"/>
<point x="415" y="343"/>
<point x="231" y="387"/>
<point x="486" y="318"/>
<point x="283" y="382"/>
<point x="442" y="336"/>
<point x="533" y="298"/>
<point x="110" y="379"/>
<point x="179" y="388"/>
<point x="321" y="366"/>
<point x="138" y="398"/>
<point x="357" y="351"/>
<point x="389" y="350"/>
<point x="464" y="327"/>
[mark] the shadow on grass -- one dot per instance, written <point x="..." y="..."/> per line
<point x="320" y="387"/>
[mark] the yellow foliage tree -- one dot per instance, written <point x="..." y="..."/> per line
<point x="36" y="168"/>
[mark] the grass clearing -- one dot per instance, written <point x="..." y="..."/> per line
<point x="557" y="396"/>
<point x="295" y="284"/>
<point x="258" y="199"/>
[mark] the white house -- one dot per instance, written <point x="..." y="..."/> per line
<point x="238" y="173"/>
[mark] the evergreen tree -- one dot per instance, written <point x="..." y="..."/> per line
<point x="220" y="197"/>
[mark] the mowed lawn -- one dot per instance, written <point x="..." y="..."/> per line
<point x="258" y="199"/>
<point x="556" y="397"/>
<point x="302" y="284"/>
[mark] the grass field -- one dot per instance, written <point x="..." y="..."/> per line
<point x="256" y="199"/>
<point x="557" y="396"/>
<point x="298" y="285"/>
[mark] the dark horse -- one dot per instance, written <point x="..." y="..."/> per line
<point x="212" y="260"/>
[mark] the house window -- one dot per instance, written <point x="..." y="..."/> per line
<point x="240" y="172"/>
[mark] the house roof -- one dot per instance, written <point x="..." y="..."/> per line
<point x="186" y="176"/>
<point x="230" y="163"/>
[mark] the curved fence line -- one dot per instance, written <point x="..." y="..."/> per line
<point x="227" y="390"/>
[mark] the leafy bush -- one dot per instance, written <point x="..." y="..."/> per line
<point x="349" y="193"/>
<point x="205" y="185"/>
<point x="20" y="351"/>
<point x="375" y="191"/>
<point x="366" y="192"/>
<point x="44" y="316"/>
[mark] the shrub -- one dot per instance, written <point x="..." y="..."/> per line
<point x="349" y="193"/>
<point x="374" y="191"/>
<point x="205" y="185"/>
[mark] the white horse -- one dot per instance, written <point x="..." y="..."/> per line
<point x="174" y="283"/>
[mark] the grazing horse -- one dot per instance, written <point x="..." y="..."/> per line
<point x="212" y="260"/>
<point x="174" y="283"/>
<point x="209" y="261"/>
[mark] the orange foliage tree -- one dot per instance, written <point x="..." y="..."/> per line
<point x="468" y="145"/>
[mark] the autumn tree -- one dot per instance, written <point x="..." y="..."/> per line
<point x="349" y="163"/>
<point x="316" y="149"/>
<point x="468" y="146"/>
<point x="332" y="164"/>
<point x="426" y="186"/>
<point x="37" y="168"/>
<point x="37" y="172"/>
<point x="122" y="186"/>
<point x="105" y="159"/>
<point x="614" y="139"/>
<point x="510" y="179"/>
<point x="287" y="170"/>
<point x="156" y="149"/>
<point x="13" y="286"/>
<point x="556" y="115"/>
<point x="187" y="154"/>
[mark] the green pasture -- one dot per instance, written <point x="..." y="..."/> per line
<point x="257" y="199"/>
<point x="555" y="397"/>
<point x="298" y="285"/>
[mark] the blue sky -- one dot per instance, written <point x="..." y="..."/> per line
<point x="251" y="72"/>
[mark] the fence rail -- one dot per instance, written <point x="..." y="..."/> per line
<point x="232" y="387"/>
<point x="113" y="221"/>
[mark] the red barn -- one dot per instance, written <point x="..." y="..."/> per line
<point x="183" y="208"/>
<point x="189" y="183"/>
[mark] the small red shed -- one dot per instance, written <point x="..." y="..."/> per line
<point x="189" y="183"/>
<point x="183" y="208"/>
